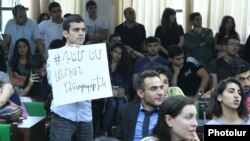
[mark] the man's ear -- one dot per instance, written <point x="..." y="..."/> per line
<point x="140" y="93"/>
<point x="169" y="120"/>
<point x="65" y="34"/>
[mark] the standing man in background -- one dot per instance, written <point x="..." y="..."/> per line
<point x="97" y="27"/>
<point x="97" y="32"/>
<point x="21" y="27"/>
<point x="132" y="33"/>
<point x="52" y="29"/>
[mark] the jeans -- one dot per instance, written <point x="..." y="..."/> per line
<point x="62" y="129"/>
<point x="112" y="105"/>
<point x="97" y="113"/>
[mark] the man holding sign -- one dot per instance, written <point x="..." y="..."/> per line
<point x="73" y="86"/>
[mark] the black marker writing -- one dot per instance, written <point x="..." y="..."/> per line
<point x="73" y="56"/>
<point x="68" y="72"/>
<point x="94" y="85"/>
<point x="93" y="54"/>
<point x="57" y="59"/>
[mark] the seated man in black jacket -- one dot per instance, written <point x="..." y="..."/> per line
<point x="149" y="88"/>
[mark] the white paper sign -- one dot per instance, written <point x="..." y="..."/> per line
<point x="79" y="74"/>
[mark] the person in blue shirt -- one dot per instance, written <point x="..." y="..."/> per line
<point x="153" y="47"/>
<point x="21" y="27"/>
<point x="74" y="118"/>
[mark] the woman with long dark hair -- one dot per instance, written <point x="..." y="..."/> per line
<point x="121" y="78"/>
<point x="169" y="32"/>
<point x="227" y="28"/>
<point x="228" y="103"/>
<point x="20" y="66"/>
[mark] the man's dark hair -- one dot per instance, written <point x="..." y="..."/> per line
<point x="143" y="75"/>
<point x="57" y="43"/>
<point x="151" y="39"/>
<point x="73" y="18"/>
<point x="175" y="51"/>
<point x="90" y="3"/>
<point x="37" y="61"/>
<point x="67" y="15"/>
<point x="114" y="35"/>
<point x="161" y="69"/>
<point x="53" y="5"/>
<point x="225" y="41"/>
<point x="238" y="65"/>
<point x="17" y="8"/>
<point x="193" y="15"/>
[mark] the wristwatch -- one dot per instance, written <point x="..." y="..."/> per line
<point x="201" y="91"/>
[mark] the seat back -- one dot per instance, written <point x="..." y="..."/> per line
<point x="5" y="132"/>
<point x="35" y="108"/>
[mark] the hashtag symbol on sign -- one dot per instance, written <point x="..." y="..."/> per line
<point x="57" y="59"/>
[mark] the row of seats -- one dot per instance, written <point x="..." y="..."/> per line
<point x="33" y="108"/>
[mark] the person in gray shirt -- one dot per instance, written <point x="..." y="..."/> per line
<point x="228" y="104"/>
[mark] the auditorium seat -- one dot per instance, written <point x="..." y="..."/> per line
<point x="35" y="108"/>
<point x="5" y="130"/>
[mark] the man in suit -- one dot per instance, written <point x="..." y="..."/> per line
<point x="149" y="88"/>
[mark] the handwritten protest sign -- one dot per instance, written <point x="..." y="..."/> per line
<point x="79" y="74"/>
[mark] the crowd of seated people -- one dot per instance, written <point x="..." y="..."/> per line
<point x="144" y="71"/>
